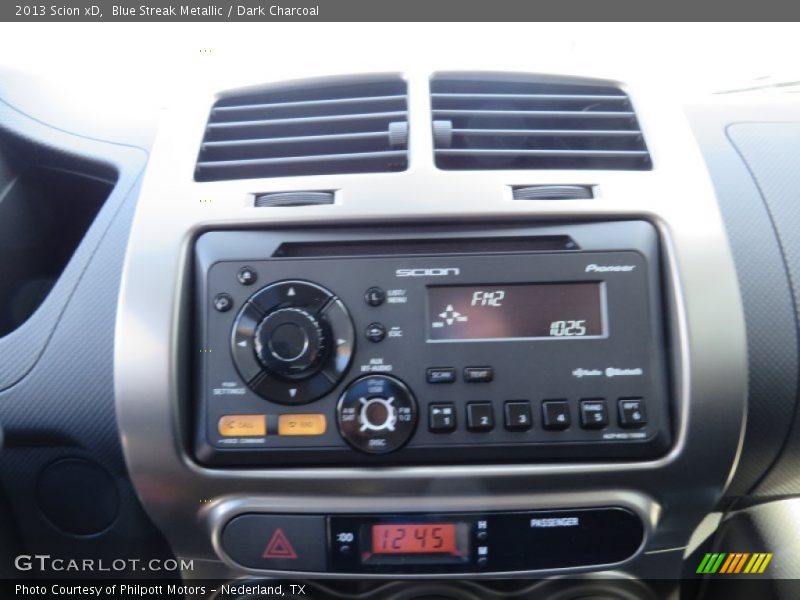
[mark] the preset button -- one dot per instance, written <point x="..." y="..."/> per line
<point x="518" y="415"/>
<point x="632" y="412"/>
<point x="594" y="414"/>
<point x="480" y="416"/>
<point x="555" y="414"/>
<point x="441" y="417"/>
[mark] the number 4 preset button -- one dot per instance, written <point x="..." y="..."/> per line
<point x="480" y="416"/>
<point x="555" y="414"/>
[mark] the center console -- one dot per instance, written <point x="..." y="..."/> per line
<point x="384" y="347"/>
<point x="428" y="370"/>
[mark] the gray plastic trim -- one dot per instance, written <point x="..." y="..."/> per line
<point x="705" y="327"/>
<point x="22" y="348"/>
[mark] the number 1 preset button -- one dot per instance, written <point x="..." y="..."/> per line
<point x="480" y="416"/>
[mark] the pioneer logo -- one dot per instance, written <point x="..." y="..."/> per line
<point x="443" y="272"/>
<point x="593" y="268"/>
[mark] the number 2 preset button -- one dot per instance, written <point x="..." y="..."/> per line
<point x="480" y="416"/>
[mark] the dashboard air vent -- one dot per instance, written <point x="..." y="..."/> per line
<point x="512" y="123"/>
<point x="333" y="127"/>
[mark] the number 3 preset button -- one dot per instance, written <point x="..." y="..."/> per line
<point x="480" y="416"/>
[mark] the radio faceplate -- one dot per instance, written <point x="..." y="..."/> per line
<point x="430" y="357"/>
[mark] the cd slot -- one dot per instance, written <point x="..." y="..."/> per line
<point x="387" y="247"/>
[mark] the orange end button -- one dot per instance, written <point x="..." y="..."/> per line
<point x="242" y="425"/>
<point x="307" y="424"/>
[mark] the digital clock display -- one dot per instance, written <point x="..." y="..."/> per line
<point x="516" y="311"/>
<point x="415" y="538"/>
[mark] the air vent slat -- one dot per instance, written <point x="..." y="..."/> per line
<point x="549" y="132"/>
<point x="538" y="152"/>
<point x="314" y="119"/>
<point x="297" y="159"/>
<point x="342" y="126"/>
<point x="582" y="97"/>
<point x="300" y="139"/>
<point x="501" y="122"/>
<point x="309" y="103"/>
<point x="573" y="114"/>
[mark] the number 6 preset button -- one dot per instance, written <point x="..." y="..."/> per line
<point x="480" y="416"/>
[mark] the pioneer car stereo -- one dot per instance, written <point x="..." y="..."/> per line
<point x="448" y="346"/>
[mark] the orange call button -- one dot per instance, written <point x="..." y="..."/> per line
<point x="305" y="424"/>
<point x="242" y="425"/>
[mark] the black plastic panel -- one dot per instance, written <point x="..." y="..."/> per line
<point x="493" y="542"/>
<point x="627" y="361"/>
<point x="57" y="373"/>
<point x="44" y="213"/>
<point x="454" y="543"/>
<point x="752" y="164"/>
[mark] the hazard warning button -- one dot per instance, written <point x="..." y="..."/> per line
<point x="277" y="542"/>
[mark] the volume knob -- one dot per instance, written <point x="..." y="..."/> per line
<point x="377" y="414"/>
<point x="290" y="343"/>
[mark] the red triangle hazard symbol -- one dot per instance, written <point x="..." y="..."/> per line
<point x="279" y="546"/>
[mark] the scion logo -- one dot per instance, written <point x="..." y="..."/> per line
<point x="443" y="272"/>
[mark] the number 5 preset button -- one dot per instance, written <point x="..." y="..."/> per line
<point x="480" y="416"/>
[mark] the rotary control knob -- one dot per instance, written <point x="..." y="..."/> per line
<point x="377" y="414"/>
<point x="290" y="342"/>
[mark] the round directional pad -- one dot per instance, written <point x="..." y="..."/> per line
<point x="292" y="342"/>
<point x="377" y="414"/>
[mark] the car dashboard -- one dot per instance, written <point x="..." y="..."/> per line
<point x="419" y="325"/>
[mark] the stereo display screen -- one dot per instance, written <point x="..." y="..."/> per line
<point x="516" y="311"/>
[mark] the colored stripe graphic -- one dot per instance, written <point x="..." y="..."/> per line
<point x="732" y="559"/>
<point x="731" y="563"/>
<point x="741" y="562"/>
<point x="749" y="568"/>
<point x="711" y="563"/>
<point x="703" y="563"/>
<point x="764" y="564"/>
<point x="717" y="563"/>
